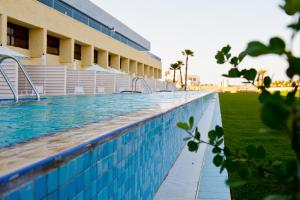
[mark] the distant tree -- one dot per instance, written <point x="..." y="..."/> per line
<point x="260" y="76"/>
<point x="187" y="53"/>
<point x="180" y="64"/>
<point x="174" y="67"/>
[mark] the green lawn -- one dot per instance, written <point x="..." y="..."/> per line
<point x="243" y="127"/>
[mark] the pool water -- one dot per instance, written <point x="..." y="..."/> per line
<point x="20" y="122"/>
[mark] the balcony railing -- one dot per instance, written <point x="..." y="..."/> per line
<point x="79" y="16"/>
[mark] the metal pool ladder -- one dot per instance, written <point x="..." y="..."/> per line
<point x="134" y="84"/>
<point x="13" y="90"/>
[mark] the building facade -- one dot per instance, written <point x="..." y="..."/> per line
<point x="75" y="33"/>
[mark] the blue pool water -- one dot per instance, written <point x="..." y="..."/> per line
<point x="20" y="122"/>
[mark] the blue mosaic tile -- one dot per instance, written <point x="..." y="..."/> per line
<point x="53" y="196"/>
<point x="63" y="192"/>
<point x="72" y="168"/>
<point x="52" y="181"/>
<point x="94" y="189"/>
<point x="87" y="177"/>
<point x="63" y="174"/>
<point x="94" y="172"/>
<point x="79" y="196"/>
<point x="12" y="196"/>
<point x="87" y="193"/>
<point x="40" y="187"/>
<point x="94" y="156"/>
<point x="79" y="183"/>
<point x="26" y="192"/>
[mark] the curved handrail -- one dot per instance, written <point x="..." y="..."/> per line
<point x="5" y="57"/>
<point x="133" y="83"/>
<point x="136" y="79"/>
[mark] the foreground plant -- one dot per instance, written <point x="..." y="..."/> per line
<point x="278" y="112"/>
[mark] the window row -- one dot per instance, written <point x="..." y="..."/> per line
<point x="71" y="12"/>
<point x="18" y="36"/>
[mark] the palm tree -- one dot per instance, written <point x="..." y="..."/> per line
<point x="187" y="53"/>
<point x="174" y="67"/>
<point x="180" y="63"/>
<point x="260" y="76"/>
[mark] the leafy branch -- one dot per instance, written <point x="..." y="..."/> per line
<point x="278" y="112"/>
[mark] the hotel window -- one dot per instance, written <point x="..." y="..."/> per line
<point x="95" y="56"/>
<point x="109" y="60"/>
<point x="52" y="45"/>
<point x="77" y="52"/>
<point x="17" y="36"/>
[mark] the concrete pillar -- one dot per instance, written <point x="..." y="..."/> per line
<point x="155" y="73"/>
<point x="133" y="68"/>
<point x="115" y="61"/>
<point x="3" y="29"/>
<point x="146" y="71"/>
<point x="87" y="52"/>
<point x="140" y="69"/>
<point x="124" y="65"/>
<point x="37" y="42"/>
<point x="159" y="74"/>
<point x="151" y="72"/>
<point x="103" y="58"/>
<point x="66" y="51"/>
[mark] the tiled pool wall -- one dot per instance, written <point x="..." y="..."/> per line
<point x="132" y="165"/>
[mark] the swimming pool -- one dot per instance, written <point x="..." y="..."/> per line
<point x="98" y="147"/>
<point x="20" y="122"/>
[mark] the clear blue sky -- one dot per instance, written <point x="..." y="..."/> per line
<point x="204" y="26"/>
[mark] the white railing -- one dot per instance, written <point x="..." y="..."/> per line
<point x="54" y="80"/>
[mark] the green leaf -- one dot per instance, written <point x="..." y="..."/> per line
<point x="219" y="131"/>
<point x="265" y="96"/>
<point x="191" y="121"/>
<point x="233" y="73"/>
<point x="197" y="135"/>
<point x="234" y="61"/>
<point x="225" y="50"/>
<point x="295" y="26"/>
<point x="256" y="49"/>
<point x="227" y="56"/>
<point x="277" y="46"/>
<point x="233" y="183"/>
<point x="249" y="74"/>
<point x="212" y="136"/>
<point x="216" y="150"/>
<point x="226" y="151"/>
<point x="291" y="7"/>
<point x="275" y="115"/>
<point x="193" y="146"/>
<point x="219" y="142"/>
<point x="267" y="81"/>
<point x="220" y="57"/>
<point x="242" y="55"/>
<point x="262" y="88"/>
<point x="183" y="126"/>
<point x="294" y="66"/>
<point x="218" y="159"/>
